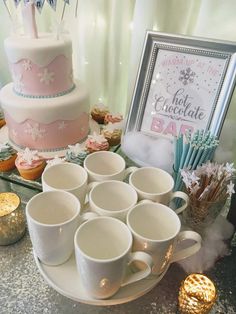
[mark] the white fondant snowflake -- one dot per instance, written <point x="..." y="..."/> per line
<point x="46" y="77"/>
<point x="27" y="65"/>
<point x="35" y="131"/>
<point x="18" y="84"/>
<point x="29" y="155"/>
<point x="62" y="125"/>
<point x="76" y="149"/>
<point x="98" y="138"/>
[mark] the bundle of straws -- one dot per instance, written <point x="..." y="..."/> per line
<point x="210" y="182"/>
<point x="192" y="150"/>
<point x="208" y="188"/>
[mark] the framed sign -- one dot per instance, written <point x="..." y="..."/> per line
<point x="183" y="83"/>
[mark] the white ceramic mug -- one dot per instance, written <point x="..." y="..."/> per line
<point x="156" y="185"/>
<point x="112" y="198"/>
<point x="106" y="165"/>
<point x="67" y="177"/>
<point x="156" y="230"/>
<point x="103" y="254"/>
<point x="53" y="218"/>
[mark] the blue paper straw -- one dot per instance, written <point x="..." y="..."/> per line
<point x="175" y="154"/>
<point x="197" y="158"/>
<point x="204" y="156"/>
<point x="189" y="154"/>
<point x="184" y="154"/>
<point x="180" y="141"/>
<point x="193" y="156"/>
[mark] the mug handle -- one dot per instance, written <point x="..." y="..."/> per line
<point x="87" y="216"/>
<point x="129" y="170"/>
<point x="184" y="197"/>
<point x="89" y="188"/>
<point x="141" y="274"/>
<point x="192" y="249"/>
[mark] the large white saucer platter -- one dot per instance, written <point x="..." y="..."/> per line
<point x="66" y="280"/>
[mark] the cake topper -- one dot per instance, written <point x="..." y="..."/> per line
<point x="53" y="4"/>
<point x="8" y="11"/>
<point x="28" y="14"/>
<point x="38" y="4"/>
<point x="16" y="2"/>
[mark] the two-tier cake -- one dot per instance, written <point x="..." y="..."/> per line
<point x="44" y="108"/>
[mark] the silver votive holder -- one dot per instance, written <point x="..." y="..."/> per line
<point x="12" y="218"/>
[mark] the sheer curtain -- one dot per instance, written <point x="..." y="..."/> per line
<point x="108" y="37"/>
<point x="101" y="36"/>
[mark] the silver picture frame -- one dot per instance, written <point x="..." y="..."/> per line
<point x="182" y="83"/>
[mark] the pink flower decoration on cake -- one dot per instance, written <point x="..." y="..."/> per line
<point x="113" y="118"/>
<point x="96" y="142"/>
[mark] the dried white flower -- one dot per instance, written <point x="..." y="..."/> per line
<point x="98" y="138"/>
<point x="229" y="168"/>
<point x="230" y="188"/>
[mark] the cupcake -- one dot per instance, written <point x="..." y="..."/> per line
<point x="2" y="120"/>
<point x="112" y="132"/>
<point x="112" y="118"/>
<point x="29" y="164"/>
<point x="54" y="161"/>
<point x="98" y="112"/>
<point x="96" y="142"/>
<point x="7" y="157"/>
<point x="76" y="154"/>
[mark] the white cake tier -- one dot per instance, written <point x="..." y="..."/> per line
<point x="40" y="67"/>
<point x="48" y="124"/>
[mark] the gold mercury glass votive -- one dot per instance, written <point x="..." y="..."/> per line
<point x="12" y="218"/>
<point x="197" y="295"/>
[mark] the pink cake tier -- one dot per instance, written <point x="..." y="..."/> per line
<point x="48" y="124"/>
<point x="40" y="67"/>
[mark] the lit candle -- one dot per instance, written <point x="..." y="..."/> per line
<point x="197" y="295"/>
<point x="12" y="218"/>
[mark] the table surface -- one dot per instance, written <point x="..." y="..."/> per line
<point x="23" y="290"/>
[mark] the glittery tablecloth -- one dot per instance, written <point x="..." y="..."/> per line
<point x="23" y="290"/>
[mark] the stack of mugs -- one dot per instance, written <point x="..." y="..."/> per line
<point x="122" y="225"/>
